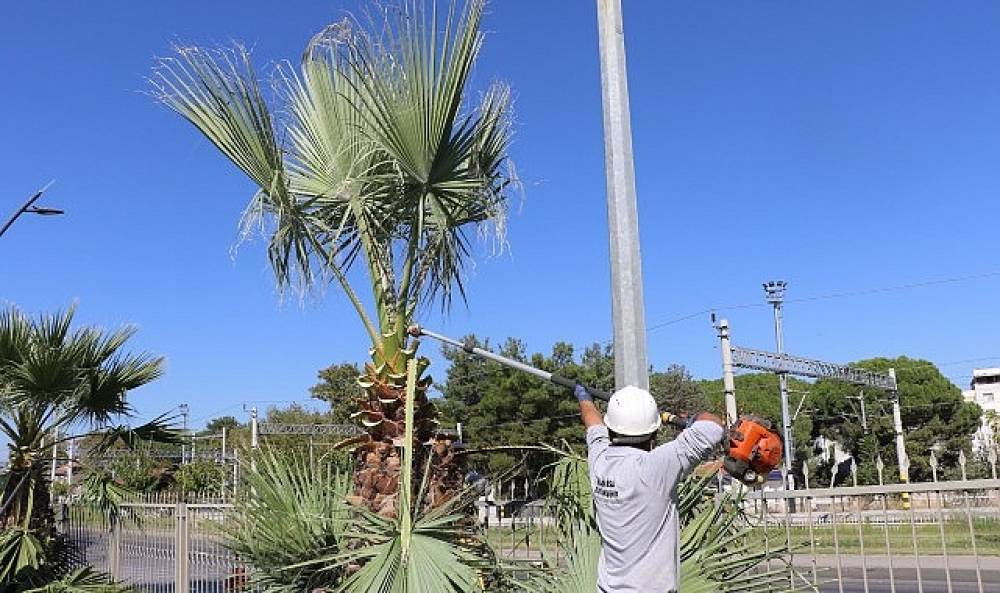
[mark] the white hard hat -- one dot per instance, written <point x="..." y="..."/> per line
<point x="632" y="412"/>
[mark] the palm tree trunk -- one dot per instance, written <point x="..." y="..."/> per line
<point x="378" y="462"/>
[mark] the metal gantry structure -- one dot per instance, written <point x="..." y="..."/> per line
<point x="786" y="364"/>
<point x="275" y="428"/>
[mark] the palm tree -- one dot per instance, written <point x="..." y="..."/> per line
<point x="373" y="156"/>
<point x="56" y="380"/>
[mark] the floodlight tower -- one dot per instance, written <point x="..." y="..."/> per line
<point x="774" y="292"/>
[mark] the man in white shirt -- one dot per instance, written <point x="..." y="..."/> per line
<point x="634" y="486"/>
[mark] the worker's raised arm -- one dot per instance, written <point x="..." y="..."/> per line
<point x="694" y="444"/>
<point x="589" y="413"/>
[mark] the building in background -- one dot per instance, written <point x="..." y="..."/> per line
<point x="985" y="391"/>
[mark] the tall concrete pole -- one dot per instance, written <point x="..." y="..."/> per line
<point x="55" y="456"/>
<point x="775" y="293"/>
<point x="728" y="381"/>
<point x="253" y="428"/>
<point x="70" y="450"/>
<point x="901" y="456"/>
<point x="185" y="409"/>
<point x="631" y="366"/>
<point x="897" y="424"/>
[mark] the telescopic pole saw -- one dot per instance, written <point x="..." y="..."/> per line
<point x="417" y="331"/>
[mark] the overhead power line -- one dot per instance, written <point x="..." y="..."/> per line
<point x="832" y="295"/>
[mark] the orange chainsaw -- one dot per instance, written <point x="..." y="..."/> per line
<point x="754" y="449"/>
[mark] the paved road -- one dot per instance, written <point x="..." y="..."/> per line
<point x="934" y="574"/>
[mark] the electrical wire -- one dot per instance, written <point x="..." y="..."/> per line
<point x="832" y="295"/>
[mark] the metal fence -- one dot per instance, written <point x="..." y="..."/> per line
<point x="159" y="544"/>
<point x="937" y="536"/>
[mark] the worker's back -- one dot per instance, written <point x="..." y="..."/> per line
<point x="635" y="494"/>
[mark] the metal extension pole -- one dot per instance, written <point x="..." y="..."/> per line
<point x="417" y="331"/>
<point x="631" y="366"/>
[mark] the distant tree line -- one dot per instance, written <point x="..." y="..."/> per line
<point x="501" y="409"/>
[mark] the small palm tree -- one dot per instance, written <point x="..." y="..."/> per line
<point x="374" y="156"/>
<point x="300" y="533"/>
<point x="56" y="380"/>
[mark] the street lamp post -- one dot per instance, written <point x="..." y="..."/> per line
<point x="774" y="291"/>
<point x="30" y="208"/>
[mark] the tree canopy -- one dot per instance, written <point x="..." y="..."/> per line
<point x="500" y="406"/>
<point x="338" y="386"/>
<point x="935" y="417"/>
<point x="934" y="414"/>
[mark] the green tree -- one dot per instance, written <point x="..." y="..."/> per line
<point x="384" y="161"/>
<point x="215" y="425"/>
<point x="338" y="386"/>
<point x="55" y="379"/>
<point x="677" y="392"/>
<point x="934" y="414"/>
<point x="500" y="406"/>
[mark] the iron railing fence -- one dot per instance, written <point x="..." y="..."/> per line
<point x="937" y="536"/>
<point x="928" y="537"/>
<point x="160" y="543"/>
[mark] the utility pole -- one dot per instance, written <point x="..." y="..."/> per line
<point x="55" y="454"/>
<point x="897" y="424"/>
<point x="253" y="428"/>
<point x="70" y="450"/>
<point x="184" y="416"/>
<point x="864" y="417"/>
<point x="728" y="380"/>
<point x="253" y="438"/>
<point x="774" y="291"/>
<point x="631" y="366"/>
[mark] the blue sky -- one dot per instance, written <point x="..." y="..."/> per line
<point x="841" y="146"/>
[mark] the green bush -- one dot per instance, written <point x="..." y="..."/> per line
<point x="201" y="475"/>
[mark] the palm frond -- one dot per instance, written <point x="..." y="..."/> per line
<point x="411" y="82"/>
<point x="296" y="513"/>
<point x="101" y="492"/>
<point x="83" y="580"/>
<point x="22" y="556"/>
<point x="218" y="92"/>
<point x="161" y="429"/>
